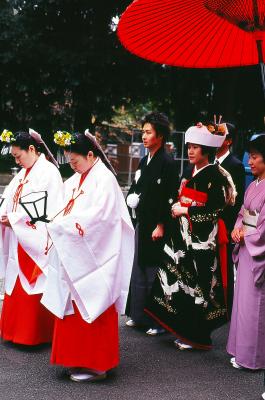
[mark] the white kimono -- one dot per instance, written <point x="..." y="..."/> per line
<point x="95" y="243"/>
<point x="43" y="176"/>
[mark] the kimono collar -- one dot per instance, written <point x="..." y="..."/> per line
<point x="84" y="175"/>
<point x="196" y="171"/>
<point x="259" y="181"/>
<point x="149" y="158"/>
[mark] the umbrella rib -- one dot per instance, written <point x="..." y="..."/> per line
<point x="150" y="32"/>
<point x="177" y="32"/>
<point x="213" y="34"/>
<point x="158" y="18"/>
<point x="145" y="11"/>
<point x="206" y="33"/>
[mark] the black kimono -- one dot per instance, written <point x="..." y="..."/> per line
<point x="187" y="297"/>
<point x="157" y="187"/>
<point x="237" y="171"/>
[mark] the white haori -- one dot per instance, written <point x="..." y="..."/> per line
<point x="43" y="176"/>
<point x="95" y="244"/>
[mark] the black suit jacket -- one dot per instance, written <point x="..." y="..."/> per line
<point x="157" y="186"/>
<point x="236" y="169"/>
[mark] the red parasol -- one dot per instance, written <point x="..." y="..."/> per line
<point x="195" y="33"/>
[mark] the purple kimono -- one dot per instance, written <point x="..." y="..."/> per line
<point x="246" y="340"/>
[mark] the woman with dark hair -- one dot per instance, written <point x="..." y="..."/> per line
<point x="188" y="296"/>
<point x="23" y="262"/>
<point x="94" y="239"/>
<point x="246" y="342"/>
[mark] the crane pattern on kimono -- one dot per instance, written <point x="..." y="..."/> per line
<point x="175" y="287"/>
<point x="210" y="243"/>
<point x="176" y="256"/>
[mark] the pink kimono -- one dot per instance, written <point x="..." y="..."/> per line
<point x="246" y="340"/>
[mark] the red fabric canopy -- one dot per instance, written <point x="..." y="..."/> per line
<point x="195" y="33"/>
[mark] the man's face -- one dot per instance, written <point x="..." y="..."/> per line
<point x="150" y="138"/>
<point x="225" y="146"/>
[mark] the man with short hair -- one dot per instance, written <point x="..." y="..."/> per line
<point x="149" y="199"/>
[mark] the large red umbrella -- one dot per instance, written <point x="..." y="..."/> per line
<point x="196" y="33"/>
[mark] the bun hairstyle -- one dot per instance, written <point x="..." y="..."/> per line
<point x="24" y="140"/>
<point x="83" y="143"/>
<point x="80" y="144"/>
<point x="160" y="123"/>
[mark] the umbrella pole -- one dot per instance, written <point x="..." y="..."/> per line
<point x="261" y="63"/>
<point x="262" y="70"/>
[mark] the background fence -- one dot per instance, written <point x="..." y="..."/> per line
<point x="126" y="157"/>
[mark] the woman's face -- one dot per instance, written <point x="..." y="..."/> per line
<point x="80" y="163"/>
<point x="195" y="155"/>
<point x="24" y="158"/>
<point x="256" y="164"/>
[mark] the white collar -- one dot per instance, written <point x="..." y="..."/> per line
<point x="196" y="171"/>
<point x="258" y="181"/>
<point x="148" y="158"/>
<point x="223" y="157"/>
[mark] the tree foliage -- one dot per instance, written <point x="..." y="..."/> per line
<point x="62" y="66"/>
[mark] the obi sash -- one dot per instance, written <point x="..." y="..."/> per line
<point x="250" y="219"/>
<point x="192" y="197"/>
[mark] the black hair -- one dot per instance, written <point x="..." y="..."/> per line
<point x="23" y="140"/>
<point x="159" y="122"/>
<point x="211" y="151"/>
<point x="257" y="145"/>
<point x="81" y="144"/>
<point x="231" y="130"/>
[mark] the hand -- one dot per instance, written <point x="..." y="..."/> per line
<point x="158" y="233"/>
<point x="5" y="221"/>
<point x="237" y="235"/>
<point x="177" y="210"/>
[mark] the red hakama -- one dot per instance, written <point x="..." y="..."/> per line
<point x="24" y="319"/>
<point x="77" y="343"/>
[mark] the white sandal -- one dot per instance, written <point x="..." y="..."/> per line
<point x="183" y="346"/>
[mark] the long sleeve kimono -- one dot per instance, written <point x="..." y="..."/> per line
<point x="23" y="260"/>
<point x="94" y="239"/>
<point x="246" y="340"/>
<point x="156" y="183"/>
<point x="187" y="297"/>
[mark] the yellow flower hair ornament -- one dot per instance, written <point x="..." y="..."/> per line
<point x="63" y="138"/>
<point x="7" y="136"/>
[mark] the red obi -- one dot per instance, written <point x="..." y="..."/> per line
<point x="189" y="196"/>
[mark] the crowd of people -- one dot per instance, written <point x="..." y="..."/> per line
<point x="168" y="258"/>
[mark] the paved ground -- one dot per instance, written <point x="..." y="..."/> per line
<point x="150" y="369"/>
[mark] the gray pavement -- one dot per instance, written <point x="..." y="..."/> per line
<point x="151" y="368"/>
